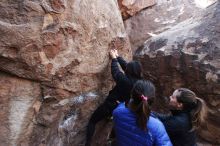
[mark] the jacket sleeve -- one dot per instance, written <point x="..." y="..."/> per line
<point x="117" y="75"/>
<point x="171" y="123"/>
<point x="160" y="116"/>
<point x="122" y="63"/>
<point x="162" y="138"/>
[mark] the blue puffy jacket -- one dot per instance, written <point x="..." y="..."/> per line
<point x="129" y="134"/>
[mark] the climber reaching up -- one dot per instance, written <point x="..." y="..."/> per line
<point x="120" y="92"/>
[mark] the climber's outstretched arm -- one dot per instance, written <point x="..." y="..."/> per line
<point x="117" y="75"/>
<point x="122" y="63"/>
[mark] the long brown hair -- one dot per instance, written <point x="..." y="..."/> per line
<point x="194" y="105"/>
<point x="142" y="96"/>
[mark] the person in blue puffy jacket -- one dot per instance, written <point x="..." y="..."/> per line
<point x="134" y="125"/>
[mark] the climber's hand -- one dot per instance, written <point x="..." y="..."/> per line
<point x="116" y="52"/>
<point x="112" y="54"/>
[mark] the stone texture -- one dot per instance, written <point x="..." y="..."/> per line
<point x="17" y="97"/>
<point x="161" y="17"/>
<point x="63" y="123"/>
<point x="62" y="46"/>
<point x="58" y="41"/>
<point x="188" y="55"/>
<point x="56" y="52"/>
<point x="131" y="7"/>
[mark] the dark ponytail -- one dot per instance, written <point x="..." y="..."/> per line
<point x="194" y="105"/>
<point x="142" y="97"/>
<point x="134" y="70"/>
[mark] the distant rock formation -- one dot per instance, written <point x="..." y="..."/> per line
<point x="188" y="55"/>
<point x="161" y="17"/>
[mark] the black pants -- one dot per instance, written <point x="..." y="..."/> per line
<point x="103" y="111"/>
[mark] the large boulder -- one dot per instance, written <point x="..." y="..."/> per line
<point x="161" y="17"/>
<point x="61" y="46"/>
<point x="188" y="55"/>
<point x="61" y="43"/>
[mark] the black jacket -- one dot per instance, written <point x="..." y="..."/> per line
<point x="124" y="83"/>
<point x="178" y="126"/>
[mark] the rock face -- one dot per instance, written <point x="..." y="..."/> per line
<point x="18" y="97"/>
<point x="188" y="55"/>
<point x="61" y="46"/>
<point x="131" y="7"/>
<point x="63" y="123"/>
<point x="57" y="41"/>
<point x="161" y="17"/>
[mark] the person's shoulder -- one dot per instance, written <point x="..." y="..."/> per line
<point x="183" y="116"/>
<point x="183" y="120"/>
<point x="155" y="125"/>
<point x="121" y="105"/>
<point x="154" y="120"/>
<point x="120" y="109"/>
